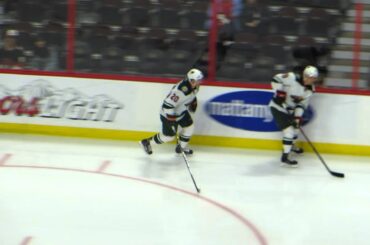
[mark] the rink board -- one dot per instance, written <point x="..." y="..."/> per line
<point x="127" y="110"/>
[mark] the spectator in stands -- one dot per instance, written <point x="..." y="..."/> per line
<point x="310" y="55"/>
<point x="252" y="16"/>
<point x="225" y="39"/>
<point x="228" y="14"/>
<point x="43" y="57"/>
<point x="11" y="55"/>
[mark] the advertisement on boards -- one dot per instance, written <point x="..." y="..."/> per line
<point x="39" y="98"/>
<point x="246" y="110"/>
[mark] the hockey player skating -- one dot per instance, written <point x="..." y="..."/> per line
<point x="292" y="93"/>
<point x="177" y="109"/>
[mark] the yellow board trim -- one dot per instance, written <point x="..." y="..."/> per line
<point x="98" y="133"/>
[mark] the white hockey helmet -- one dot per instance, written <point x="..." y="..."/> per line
<point x="194" y="74"/>
<point x="311" y="71"/>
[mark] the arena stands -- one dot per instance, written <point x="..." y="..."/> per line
<point x="167" y="37"/>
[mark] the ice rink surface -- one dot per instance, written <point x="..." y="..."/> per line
<point x="69" y="191"/>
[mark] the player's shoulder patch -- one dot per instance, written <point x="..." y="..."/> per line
<point x="185" y="87"/>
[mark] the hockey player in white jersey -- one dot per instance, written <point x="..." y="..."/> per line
<point x="176" y="111"/>
<point x="292" y="94"/>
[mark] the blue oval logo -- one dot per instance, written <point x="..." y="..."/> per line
<point x="246" y="110"/>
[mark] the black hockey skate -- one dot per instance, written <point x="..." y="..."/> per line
<point x="145" y="143"/>
<point x="187" y="151"/>
<point x="285" y="161"/>
<point x="297" y="150"/>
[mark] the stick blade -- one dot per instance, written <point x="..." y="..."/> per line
<point x="336" y="174"/>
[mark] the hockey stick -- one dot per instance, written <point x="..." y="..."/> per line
<point x="186" y="161"/>
<point x="191" y="175"/>
<point x="336" y="174"/>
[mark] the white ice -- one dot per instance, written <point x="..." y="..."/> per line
<point x="69" y="191"/>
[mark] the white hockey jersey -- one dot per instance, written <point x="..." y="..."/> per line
<point x="178" y="100"/>
<point x="297" y="94"/>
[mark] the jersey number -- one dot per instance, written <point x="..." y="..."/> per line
<point x="174" y="97"/>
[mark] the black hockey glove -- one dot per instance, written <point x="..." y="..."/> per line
<point x="280" y="97"/>
<point x="193" y="105"/>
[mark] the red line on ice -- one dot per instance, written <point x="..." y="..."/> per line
<point x="251" y="227"/>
